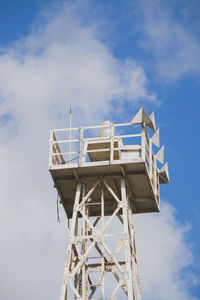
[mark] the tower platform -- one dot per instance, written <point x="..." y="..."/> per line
<point x="109" y="156"/>
<point x="141" y="191"/>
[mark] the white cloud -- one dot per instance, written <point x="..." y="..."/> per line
<point x="64" y="62"/>
<point x="164" y="254"/>
<point x="61" y="62"/>
<point x="174" y="45"/>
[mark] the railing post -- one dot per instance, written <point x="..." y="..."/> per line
<point x="155" y="176"/>
<point x="81" y="147"/>
<point x="50" y="149"/>
<point x="111" y="143"/>
<point x="157" y="189"/>
<point x="150" y="158"/>
<point x="143" y="141"/>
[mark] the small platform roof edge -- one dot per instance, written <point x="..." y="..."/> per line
<point x="142" y="117"/>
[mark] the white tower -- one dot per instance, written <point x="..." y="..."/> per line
<point x="109" y="174"/>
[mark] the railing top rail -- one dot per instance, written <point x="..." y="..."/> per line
<point x="65" y="129"/>
<point x="92" y="127"/>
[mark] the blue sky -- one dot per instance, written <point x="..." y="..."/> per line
<point x="120" y="55"/>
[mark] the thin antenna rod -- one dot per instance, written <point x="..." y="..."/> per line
<point x="70" y="132"/>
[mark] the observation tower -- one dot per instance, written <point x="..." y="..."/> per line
<point x="104" y="175"/>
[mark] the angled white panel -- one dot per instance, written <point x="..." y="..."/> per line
<point x="142" y="117"/>
<point x="152" y="118"/>
<point x="160" y="155"/>
<point x="164" y="174"/>
<point x="156" y="138"/>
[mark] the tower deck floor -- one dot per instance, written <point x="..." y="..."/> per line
<point x="140" y="188"/>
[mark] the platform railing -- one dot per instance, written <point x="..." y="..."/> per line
<point x="81" y="137"/>
<point x="151" y="162"/>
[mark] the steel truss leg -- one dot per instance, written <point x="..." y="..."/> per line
<point x="90" y="254"/>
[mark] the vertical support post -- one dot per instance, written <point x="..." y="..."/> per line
<point x="86" y="261"/>
<point x="127" y="244"/>
<point x="84" y="249"/>
<point x="136" y="275"/>
<point x="73" y="232"/>
<point x="102" y="248"/>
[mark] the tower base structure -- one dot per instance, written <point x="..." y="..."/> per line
<point x="101" y="260"/>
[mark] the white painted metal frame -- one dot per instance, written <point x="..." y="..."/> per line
<point x="79" y="150"/>
<point x="57" y="156"/>
<point x="87" y="240"/>
<point x="96" y="250"/>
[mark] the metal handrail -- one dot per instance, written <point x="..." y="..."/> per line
<point x="80" y="151"/>
<point x="57" y="156"/>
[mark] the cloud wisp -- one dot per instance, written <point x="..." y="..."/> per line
<point x="173" y="44"/>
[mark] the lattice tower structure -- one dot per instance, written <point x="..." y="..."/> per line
<point x="107" y="174"/>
